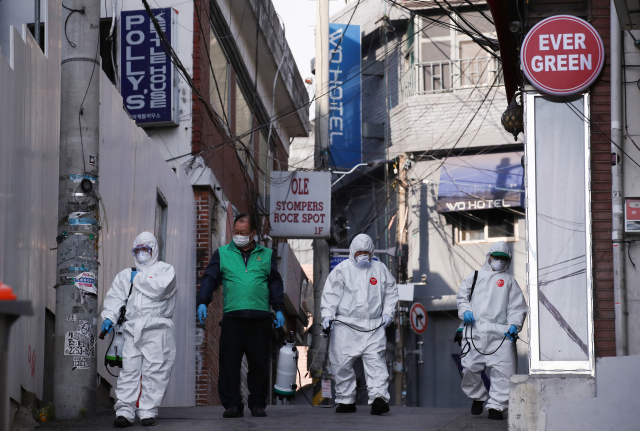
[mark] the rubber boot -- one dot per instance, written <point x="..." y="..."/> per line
<point x="477" y="407"/>
<point x="495" y="415"/>
<point x="379" y="406"/>
<point x="346" y="408"/>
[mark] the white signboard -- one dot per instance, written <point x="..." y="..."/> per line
<point x="300" y="204"/>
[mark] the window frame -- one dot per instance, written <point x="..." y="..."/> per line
<point x="458" y="232"/>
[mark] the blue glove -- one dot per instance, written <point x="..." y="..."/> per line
<point x="107" y="325"/>
<point x="202" y="313"/>
<point x="468" y="317"/>
<point x="279" y="322"/>
<point x="512" y="332"/>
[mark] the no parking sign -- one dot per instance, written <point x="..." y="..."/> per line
<point x="418" y="318"/>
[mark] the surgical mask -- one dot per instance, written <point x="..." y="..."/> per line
<point x="143" y="257"/>
<point x="497" y="264"/>
<point x="363" y="260"/>
<point x="241" y="240"/>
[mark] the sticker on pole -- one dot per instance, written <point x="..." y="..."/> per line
<point x="562" y="55"/>
<point x="86" y="281"/>
<point x="326" y="388"/>
<point x="418" y="318"/>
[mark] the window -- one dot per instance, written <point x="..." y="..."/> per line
<point x="161" y="225"/>
<point x="244" y="117"/>
<point x="219" y="96"/>
<point x="486" y="226"/>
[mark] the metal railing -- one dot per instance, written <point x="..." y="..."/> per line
<point x="448" y="75"/>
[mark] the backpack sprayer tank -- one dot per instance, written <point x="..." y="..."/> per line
<point x="285" y="387"/>
<point x="113" y="357"/>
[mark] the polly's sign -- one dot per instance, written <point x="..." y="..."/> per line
<point x="300" y="204"/>
<point x="562" y="55"/>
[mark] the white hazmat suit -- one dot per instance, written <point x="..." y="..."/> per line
<point x="149" y="347"/>
<point x="359" y="296"/>
<point x="496" y="304"/>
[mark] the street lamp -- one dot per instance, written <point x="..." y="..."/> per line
<point x="372" y="163"/>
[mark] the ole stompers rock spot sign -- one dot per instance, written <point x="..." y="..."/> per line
<point x="562" y="55"/>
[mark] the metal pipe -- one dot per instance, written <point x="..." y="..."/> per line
<point x="36" y="25"/>
<point x="617" y="187"/>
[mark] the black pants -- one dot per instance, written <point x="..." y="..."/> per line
<point x="240" y="337"/>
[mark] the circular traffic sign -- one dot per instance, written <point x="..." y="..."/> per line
<point x="418" y="318"/>
<point x="562" y="55"/>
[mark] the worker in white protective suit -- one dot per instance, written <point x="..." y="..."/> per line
<point x="493" y="313"/>
<point x="149" y="341"/>
<point x="359" y="300"/>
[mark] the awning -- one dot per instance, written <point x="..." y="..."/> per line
<point x="485" y="181"/>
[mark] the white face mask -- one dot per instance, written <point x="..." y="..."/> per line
<point x="363" y="260"/>
<point x="241" y="240"/>
<point x="143" y="257"/>
<point x="497" y="264"/>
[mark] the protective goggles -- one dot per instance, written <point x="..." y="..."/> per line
<point x="137" y="249"/>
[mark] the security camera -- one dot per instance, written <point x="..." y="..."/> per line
<point x="516" y="27"/>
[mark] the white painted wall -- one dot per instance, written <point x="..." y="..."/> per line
<point x="132" y="170"/>
<point x="29" y="139"/>
<point x="17" y="13"/>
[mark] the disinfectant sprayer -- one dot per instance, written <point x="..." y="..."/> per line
<point x="113" y="357"/>
<point x="285" y="387"/>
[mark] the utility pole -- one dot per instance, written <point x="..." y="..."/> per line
<point x="36" y="23"/>
<point x="401" y="250"/>
<point x="321" y="259"/>
<point x="617" y="188"/>
<point x="78" y="214"/>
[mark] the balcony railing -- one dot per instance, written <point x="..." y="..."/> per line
<point x="449" y="75"/>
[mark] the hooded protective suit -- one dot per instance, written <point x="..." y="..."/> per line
<point x="149" y="346"/>
<point x="496" y="304"/>
<point x="359" y="296"/>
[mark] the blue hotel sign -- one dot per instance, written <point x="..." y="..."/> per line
<point x="345" y="102"/>
<point x="149" y="79"/>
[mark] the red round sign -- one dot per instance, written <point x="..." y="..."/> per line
<point x="373" y="281"/>
<point x="418" y="317"/>
<point x="500" y="283"/>
<point x="562" y="55"/>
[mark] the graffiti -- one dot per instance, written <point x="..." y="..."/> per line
<point x="31" y="357"/>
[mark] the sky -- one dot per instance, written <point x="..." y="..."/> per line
<point x="299" y="17"/>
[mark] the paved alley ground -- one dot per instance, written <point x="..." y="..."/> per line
<point x="283" y="418"/>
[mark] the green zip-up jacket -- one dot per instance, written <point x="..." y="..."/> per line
<point x="250" y="280"/>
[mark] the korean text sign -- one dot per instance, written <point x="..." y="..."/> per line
<point x="300" y="204"/>
<point x="562" y="55"/>
<point x="345" y="102"/>
<point x="148" y="86"/>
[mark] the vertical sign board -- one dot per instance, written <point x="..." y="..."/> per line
<point x="149" y="79"/>
<point x="345" y="101"/>
<point x="300" y="204"/>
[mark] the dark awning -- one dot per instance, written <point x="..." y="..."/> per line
<point x="485" y="181"/>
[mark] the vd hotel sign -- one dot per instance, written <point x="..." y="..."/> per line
<point x="562" y="55"/>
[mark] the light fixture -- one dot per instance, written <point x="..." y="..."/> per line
<point x="512" y="117"/>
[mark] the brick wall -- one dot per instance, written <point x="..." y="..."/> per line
<point x="207" y="336"/>
<point x="605" y="343"/>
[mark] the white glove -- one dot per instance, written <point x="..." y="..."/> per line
<point x="387" y="320"/>
<point x="326" y="322"/>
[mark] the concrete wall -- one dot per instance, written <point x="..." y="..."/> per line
<point x="632" y="187"/>
<point x="469" y="117"/>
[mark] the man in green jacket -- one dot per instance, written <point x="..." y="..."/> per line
<point x="251" y="282"/>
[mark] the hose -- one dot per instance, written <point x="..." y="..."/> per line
<point x="328" y="334"/>
<point x="463" y="353"/>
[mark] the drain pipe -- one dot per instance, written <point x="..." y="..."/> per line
<point x="617" y="187"/>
